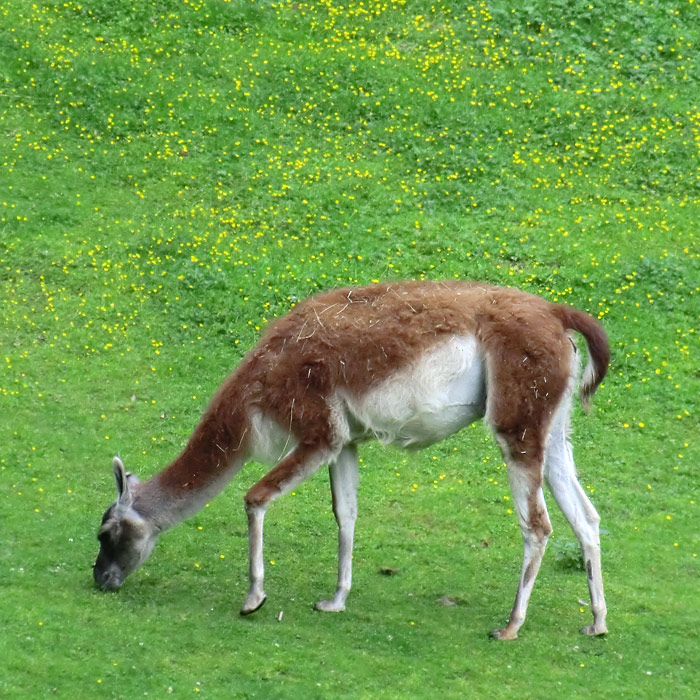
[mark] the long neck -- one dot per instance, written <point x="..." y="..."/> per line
<point x="216" y="450"/>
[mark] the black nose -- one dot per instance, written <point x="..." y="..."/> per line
<point x="107" y="579"/>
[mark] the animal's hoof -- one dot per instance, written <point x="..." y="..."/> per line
<point x="251" y="606"/>
<point x="504" y="634"/>
<point x="594" y="630"/>
<point x="329" y="606"/>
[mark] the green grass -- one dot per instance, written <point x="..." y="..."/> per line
<point x="175" y="174"/>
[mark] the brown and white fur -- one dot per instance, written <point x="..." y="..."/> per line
<point x="409" y="364"/>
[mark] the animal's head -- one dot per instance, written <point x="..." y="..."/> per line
<point x="126" y="537"/>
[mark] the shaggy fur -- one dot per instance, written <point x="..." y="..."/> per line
<point x="408" y="363"/>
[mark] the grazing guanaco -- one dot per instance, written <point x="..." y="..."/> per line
<point x="405" y="363"/>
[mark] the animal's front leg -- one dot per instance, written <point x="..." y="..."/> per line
<point x="289" y="473"/>
<point x="256" y="594"/>
<point x="344" y="479"/>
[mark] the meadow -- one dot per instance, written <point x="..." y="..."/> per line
<point x="176" y="173"/>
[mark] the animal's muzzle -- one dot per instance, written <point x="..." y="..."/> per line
<point x="108" y="579"/>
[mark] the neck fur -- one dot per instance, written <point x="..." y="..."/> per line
<point x="215" y="452"/>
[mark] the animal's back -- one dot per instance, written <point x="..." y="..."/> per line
<point x="357" y="337"/>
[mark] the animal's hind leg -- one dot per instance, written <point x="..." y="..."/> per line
<point x="526" y="486"/>
<point x="560" y="474"/>
<point x="529" y="369"/>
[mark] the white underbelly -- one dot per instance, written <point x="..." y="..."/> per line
<point x="437" y="395"/>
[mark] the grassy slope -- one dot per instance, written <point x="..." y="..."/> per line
<point x="176" y="174"/>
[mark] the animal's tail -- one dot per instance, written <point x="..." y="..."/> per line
<point x="598" y="350"/>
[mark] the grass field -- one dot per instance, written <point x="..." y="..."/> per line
<point x="174" y="174"/>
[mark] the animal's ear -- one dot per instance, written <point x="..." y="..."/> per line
<point x="124" y="482"/>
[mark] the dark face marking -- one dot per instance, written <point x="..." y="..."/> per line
<point x="124" y="546"/>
